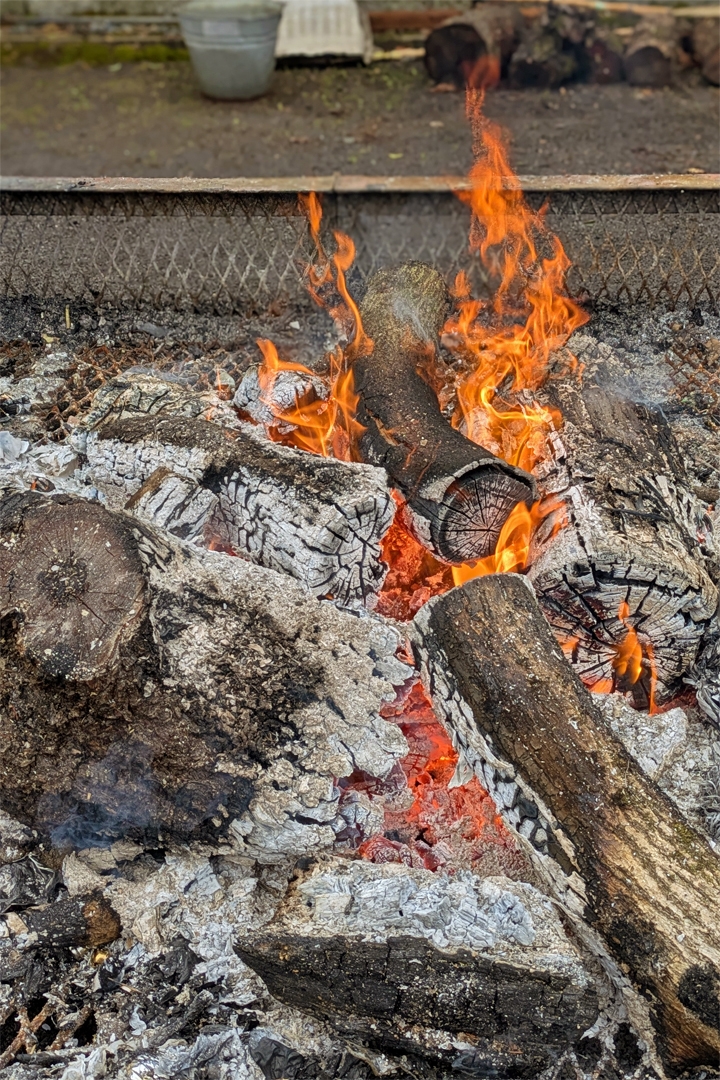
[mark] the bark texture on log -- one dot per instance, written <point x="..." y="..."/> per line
<point x="631" y="536"/>
<point x="651" y="53"/>
<point x="228" y="703"/>
<point x="399" y="956"/>
<point x="649" y="884"/>
<point x="315" y="518"/>
<point x="458" y="494"/>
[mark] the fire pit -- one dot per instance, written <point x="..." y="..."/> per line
<point x="360" y="684"/>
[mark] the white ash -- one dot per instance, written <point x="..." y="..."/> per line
<point x="495" y="915"/>
<point x="288" y="388"/>
<point x="654" y="741"/>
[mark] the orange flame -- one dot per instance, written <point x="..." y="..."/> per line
<point x="324" y="426"/>
<point x="629" y="663"/>
<point x="512" y="551"/>
<point x="506" y="344"/>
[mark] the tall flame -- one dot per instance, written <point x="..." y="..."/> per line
<point x="327" y="425"/>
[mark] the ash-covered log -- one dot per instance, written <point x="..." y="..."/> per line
<point x="633" y="867"/>
<point x="629" y="557"/>
<point x="458" y="494"/>
<point x="315" y="518"/>
<point x="409" y="959"/>
<point x="149" y="689"/>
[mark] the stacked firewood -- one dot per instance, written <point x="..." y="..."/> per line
<point x="565" y="44"/>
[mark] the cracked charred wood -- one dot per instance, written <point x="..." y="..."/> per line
<point x="643" y="878"/>
<point x="629" y="556"/>
<point x="458" y="494"/>
<point x="407" y="959"/>
<point x="651" y="53"/>
<point x="89" y="921"/>
<point x="315" y="518"/>
<point x="150" y="689"/>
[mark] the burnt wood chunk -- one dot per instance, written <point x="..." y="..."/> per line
<point x="315" y="518"/>
<point x="230" y="703"/>
<point x="646" y="881"/>
<point x="385" y="954"/>
<point x="458" y="494"/>
<point x="89" y="921"/>
<point x="630" y="545"/>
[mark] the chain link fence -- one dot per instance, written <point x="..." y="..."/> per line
<point x="227" y="253"/>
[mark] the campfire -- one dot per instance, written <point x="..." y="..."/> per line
<point x="360" y="718"/>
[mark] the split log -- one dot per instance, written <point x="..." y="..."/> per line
<point x="458" y="494"/>
<point x="149" y="689"/>
<point x="408" y="959"/>
<point x="88" y="921"/>
<point x="706" y="48"/>
<point x="646" y="881"/>
<point x="630" y="538"/>
<point x="453" y="50"/>
<point x="317" y="519"/>
<point x="652" y="51"/>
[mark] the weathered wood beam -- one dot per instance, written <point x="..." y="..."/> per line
<point x="645" y="880"/>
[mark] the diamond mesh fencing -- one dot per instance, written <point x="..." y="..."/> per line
<point x="229" y="253"/>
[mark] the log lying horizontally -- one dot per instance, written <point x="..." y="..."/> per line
<point x="631" y="537"/>
<point x="651" y="53"/>
<point x="458" y="494"/>
<point x="649" y="884"/>
<point x="452" y="51"/>
<point x="408" y="959"/>
<point x="150" y="688"/>
<point x="315" y="518"/>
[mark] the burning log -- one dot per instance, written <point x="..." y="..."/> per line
<point x="633" y="866"/>
<point x="408" y="959"/>
<point x="651" y="53"/>
<point x="88" y="921"/>
<point x="458" y="494"/>
<point x="623" y="584"/>
<point x="150" y="689"/>
<point x="318" y="519"/>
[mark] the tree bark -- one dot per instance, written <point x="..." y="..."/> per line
<point x="458" y="494"/>
<point x="631" y="539"/>
<point x="651" y="53"/>
<point x="646" y="881"/>
<point x="149" y="689"/>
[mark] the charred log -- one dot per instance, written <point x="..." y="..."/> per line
<point x="633" y="866"/>
<point x="317" y="519"/>
<point x="458" y="494"/>
<point x="628" y="557"/>
<point x="150" y="689"/>
<point x="409" y="959"/>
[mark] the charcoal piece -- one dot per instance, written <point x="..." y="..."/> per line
<point x="634" y="868"/>
<point x="77" y="921"/>
<point x="458" y="494"/>
<point x="228" y="706"/>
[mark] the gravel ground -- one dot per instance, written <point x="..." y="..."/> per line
<point x="149" y="119"/>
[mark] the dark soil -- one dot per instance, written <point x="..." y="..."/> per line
<point x="149" y="119"/>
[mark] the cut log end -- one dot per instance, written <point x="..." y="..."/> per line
<point x="474" y="511"/>
<point x="72" y="576"/>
